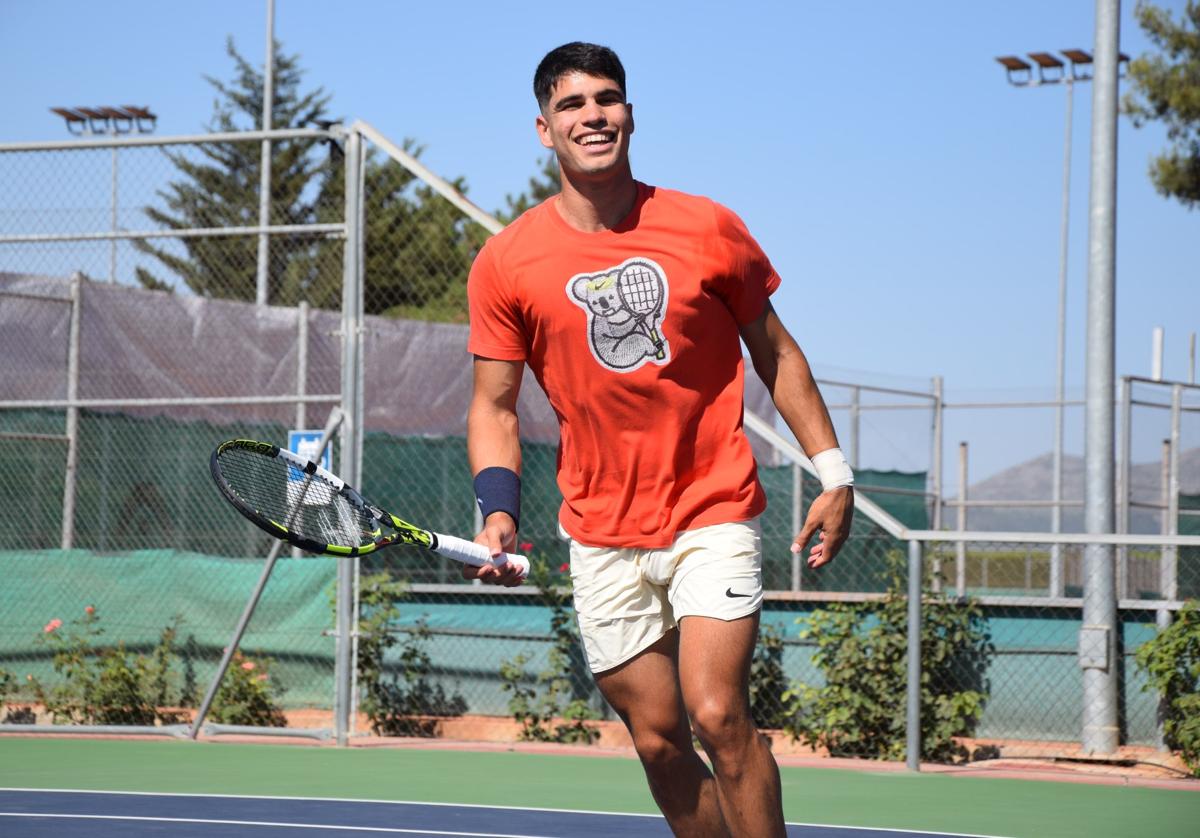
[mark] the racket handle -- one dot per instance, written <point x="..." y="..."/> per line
<point x="468" y="552"/>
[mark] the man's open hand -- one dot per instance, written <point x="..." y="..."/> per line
<point x="829" y="519"/>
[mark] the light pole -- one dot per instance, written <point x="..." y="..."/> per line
<point x="109" y="120"/>
<point x="1052" y="70"/>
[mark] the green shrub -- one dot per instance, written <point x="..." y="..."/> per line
<point x="247" y="695"/>
<point x="107" y="685"/>
<point x="8" y="686"/>
<point x="401" y="702"/>
<point x="550" y="708"/>
<point x="1172" y="661"/>
<point x="768" y="684"/>
<point x="862" y="650"/>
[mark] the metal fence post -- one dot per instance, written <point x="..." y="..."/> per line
<point x="855" y="422"/>
<point x="1169" y="587"/>
<point x="935" y="470"/>
<point x="351" y="438"/>
<point x="912" y="746"/>
<point x="1125" y="448"/>
<point x="797" y="524"/>
<point x="262" y="280"/>
<point x="1098" y="634"/>
<point x="960" y="554"/>
<point x="70" y="478"/>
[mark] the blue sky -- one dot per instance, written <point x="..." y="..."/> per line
<point x="907" y="194"/>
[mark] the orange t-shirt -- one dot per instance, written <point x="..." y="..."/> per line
<point x="633" y="335"/>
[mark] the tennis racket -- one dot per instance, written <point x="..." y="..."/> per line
<point x="641" y="290"/>
<point x="298" y="501"/>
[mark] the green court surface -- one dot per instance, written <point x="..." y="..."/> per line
<point x="896" y="800"/>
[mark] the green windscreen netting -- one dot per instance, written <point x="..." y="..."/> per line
<point x="1189" y="557"/>
<point x="144" y="484"/>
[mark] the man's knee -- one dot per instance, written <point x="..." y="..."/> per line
<point x="721" y="724"/>
<point x="657" y="750"/>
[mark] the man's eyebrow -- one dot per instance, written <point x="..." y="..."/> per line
<point x="573" y="99"/>
<point x="606" y="95"/>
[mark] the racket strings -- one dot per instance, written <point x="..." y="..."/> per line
<point x="640" y="288"/>
<point x="307" y="506"/>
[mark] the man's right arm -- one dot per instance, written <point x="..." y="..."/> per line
<point x="493" y="440"/>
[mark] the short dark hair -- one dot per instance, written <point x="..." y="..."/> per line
<point x="576" y="57"/>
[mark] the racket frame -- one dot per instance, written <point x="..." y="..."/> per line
<point x="405" y="533"/>
<point x="647" y="316"/>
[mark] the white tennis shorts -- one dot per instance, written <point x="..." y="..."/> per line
<point x="627" y="598"/>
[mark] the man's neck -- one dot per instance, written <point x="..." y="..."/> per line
<point x="594" y="206"/>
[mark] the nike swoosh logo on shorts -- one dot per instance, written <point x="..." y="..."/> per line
<point x="729" y="593"/>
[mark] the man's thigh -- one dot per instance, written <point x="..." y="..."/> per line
<point x="645" y="690"/>
<point x="714" y="662"/>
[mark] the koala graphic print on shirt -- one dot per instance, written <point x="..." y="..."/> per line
<point x="625" y="307"/>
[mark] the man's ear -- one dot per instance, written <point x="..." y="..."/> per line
<point x="543" y="131"/>
<point x="629" y="110"/>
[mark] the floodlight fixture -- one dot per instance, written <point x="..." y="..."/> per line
<point x="107" y="119"/>
<point x="143" y="118"/>
<point x="76" y="122"/>
<point x="1081" y="64"/>
<point x="99" y="122"/>
<point x="1050" y="68"/>
<point x="1018" y="70"/>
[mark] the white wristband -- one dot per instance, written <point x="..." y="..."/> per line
<point x="833" y="469"/>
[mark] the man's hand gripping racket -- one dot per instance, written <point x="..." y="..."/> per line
<point x="297" y="501"/>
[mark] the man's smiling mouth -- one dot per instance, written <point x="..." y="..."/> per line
<point x="595" y="139"/>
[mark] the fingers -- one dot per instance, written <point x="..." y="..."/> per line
<point x="507" y="574"/>
<point x="499" y="535"/>
<point x="811" y="524"/>
<point x="829" y="517"/>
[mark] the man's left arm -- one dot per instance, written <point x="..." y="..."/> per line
<point x="781" y="365"/>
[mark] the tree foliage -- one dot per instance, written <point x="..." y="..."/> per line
<point x="1166" y="88"/>
<point x="1172" y="662"/>
<point x="862" y="650"/>
<point x="398" y="695"/>
<point x="553" y="706"/>
<point x="417" y="248"/>
<point x="219" y="188"/>
<point x="546" y="183"/>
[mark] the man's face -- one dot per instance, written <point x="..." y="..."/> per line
<point x="587" y="122"/>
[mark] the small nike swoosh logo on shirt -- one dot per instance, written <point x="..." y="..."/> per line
<point x="729" y="593"/>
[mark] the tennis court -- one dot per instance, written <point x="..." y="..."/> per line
<point x="105" y="787"/>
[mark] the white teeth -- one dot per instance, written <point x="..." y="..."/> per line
<point x="592" y="139"/>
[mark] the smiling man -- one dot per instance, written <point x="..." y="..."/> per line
<point x="630" y="303"/>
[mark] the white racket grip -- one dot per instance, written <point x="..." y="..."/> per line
<point x="468" y="552"/>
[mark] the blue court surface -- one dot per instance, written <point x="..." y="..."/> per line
<point x="80" y="814"/>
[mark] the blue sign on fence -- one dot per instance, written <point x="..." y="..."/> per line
<point x="305" y="444"/>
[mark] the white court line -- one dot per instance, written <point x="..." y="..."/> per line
<point x="897" y="829"/>
<point x="478" y="806"/>
<point x="352" y="800"/>
<point x="216" y="822"/>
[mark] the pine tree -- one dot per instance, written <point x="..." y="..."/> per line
<point x="547" y="182"/>
<point x="417" y="247"/>
<point x="1166" y="87"/>
<point x="220" y="189"/>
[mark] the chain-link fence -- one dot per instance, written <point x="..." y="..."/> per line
<point x="117" y="552"/>
<point x="129" y="349"/>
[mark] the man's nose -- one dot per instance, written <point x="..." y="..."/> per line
<point x="593" y="113"/>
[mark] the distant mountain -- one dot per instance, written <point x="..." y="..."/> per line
<point x="1033" y="480"/>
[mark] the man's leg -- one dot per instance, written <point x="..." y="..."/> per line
<point x="645" y="693"/>
<point x="714" y="669"/>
